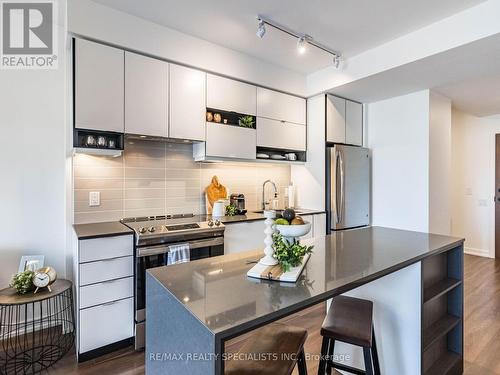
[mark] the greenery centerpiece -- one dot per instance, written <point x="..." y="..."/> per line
<point x="289" y="252"/>
<point x="22" y="282"/>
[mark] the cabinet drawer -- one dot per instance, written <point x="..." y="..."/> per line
<point x="105" y="292"/>
<point x="230" y="141"/>
<point x="106" y="324"/>
<point x="283" y="135"/>
<point x="278" y="106"/>
<point x="105" y="248"/>
<point x="108" y="269"/>
<point x="230" y="95"/>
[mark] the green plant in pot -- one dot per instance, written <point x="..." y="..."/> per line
<point x="289" y="252"/>
<point x="246" y="121"/>
<point x="22" y="282"/>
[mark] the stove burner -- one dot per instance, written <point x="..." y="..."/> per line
<point x="182" y="226"/>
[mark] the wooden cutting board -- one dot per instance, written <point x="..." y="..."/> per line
<point x="260" y="271"/>
<point x="214" y="192"/>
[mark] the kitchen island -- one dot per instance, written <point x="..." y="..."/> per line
<point x="414" y="279"/>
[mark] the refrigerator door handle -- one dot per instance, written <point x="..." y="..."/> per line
<point x="337" y="192"/>
<point x="341" y="210"/>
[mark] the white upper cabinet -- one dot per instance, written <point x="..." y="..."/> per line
<point x="146" y="95"/>
<point x="227" y="141"/>
<point x="99" y="87"/>
<point x="278" y="106"/>
<point x="335" y="119"/>
<point x="354" y="123"/>
<point x="281" y="134"/>
<point x="229" y="95"/>
<point x="187" y="103"/>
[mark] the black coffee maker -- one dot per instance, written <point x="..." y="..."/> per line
<point x="238" y="201"/>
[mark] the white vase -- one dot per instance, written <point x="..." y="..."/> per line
<point x="268" y="259"/>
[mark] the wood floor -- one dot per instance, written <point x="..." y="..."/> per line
<point x="482" y="330"/>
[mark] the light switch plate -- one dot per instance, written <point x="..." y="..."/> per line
<point x="94" y="198"/>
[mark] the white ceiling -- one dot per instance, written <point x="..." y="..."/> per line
<point x="469" y="75"/>
<point x="350" y="26"/>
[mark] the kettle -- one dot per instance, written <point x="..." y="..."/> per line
<point x="219" y="208"/>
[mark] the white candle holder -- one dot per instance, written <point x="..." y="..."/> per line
<point x="268" y="259"/>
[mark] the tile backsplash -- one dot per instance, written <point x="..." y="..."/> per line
<point x="154" y="178"/>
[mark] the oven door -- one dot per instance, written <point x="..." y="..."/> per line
<point x="156" y="256"/>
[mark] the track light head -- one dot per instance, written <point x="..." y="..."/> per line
<point x="261" y="29"/>
<point x="337" y="60"/>
<point x="301" y="45"/>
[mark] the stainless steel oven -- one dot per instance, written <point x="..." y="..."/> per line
<point x="205" y="239"/>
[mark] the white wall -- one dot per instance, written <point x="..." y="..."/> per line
<point x="33" y="162"/>
<point x="473" y="181"/>
<point x="440" y="164"/>
<point x="398" y="135"/>
<point x="309" y="179"/>
<point x="96" y="21"/>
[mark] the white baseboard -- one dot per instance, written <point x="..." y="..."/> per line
<point x="477" y="252"/>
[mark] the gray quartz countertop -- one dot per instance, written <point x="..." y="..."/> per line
<point x="115" y="228"/>
<point x="218" y="292"/>
<point x="96" y="230"/>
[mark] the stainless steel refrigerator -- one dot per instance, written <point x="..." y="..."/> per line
<point x="348" y="194"/>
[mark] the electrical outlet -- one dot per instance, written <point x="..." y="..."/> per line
<point x="94" y="198"/>
<point x="482" y="203"/>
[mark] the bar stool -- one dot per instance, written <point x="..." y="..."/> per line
<point x="284" y="342"/>
<point x="349" y="320"/>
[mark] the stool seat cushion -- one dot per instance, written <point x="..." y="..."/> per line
<point x="349" y="320"/>
<point x="262" y="353"/>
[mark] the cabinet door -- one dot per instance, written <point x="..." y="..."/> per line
<point x="282" y="135"/>
<point x="354" y="123"/>
<point x="246" y="236"/>
<point x="230" y="95"/>
<point x="187" y="103"/>
<point x="146" y="95"/>
<point x="99" y="87"/>
<point x="227" y="141"/>
<point x="278" y="106"/>
<point x="319" y="225"/>
<point x="106" y="324"/>
<point x="335" y="119"/>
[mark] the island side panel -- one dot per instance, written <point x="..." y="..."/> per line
<point x="397" y="321"/>
<point x="176" y="341"/>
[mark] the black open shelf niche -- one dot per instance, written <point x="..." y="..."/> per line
<point x="232" y="118"/>
<point x="80" y="137"/>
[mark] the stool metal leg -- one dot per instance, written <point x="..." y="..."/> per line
<point x="331" y="349"/>
<point x="324" y="354"/>
<point x="301" y="363"/>
<point x="368" y="361"/>
<point x="376" y="363"/>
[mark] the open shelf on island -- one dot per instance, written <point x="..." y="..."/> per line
<point x="442" y="313"/>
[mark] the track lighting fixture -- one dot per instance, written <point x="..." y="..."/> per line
<point x="303" y="40"/>
<point x="261" y="29"/>
<point x="301" y="45"/>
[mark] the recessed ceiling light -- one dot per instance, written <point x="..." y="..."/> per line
<point x="261" y="29"/>
<point x="301" y="45"/>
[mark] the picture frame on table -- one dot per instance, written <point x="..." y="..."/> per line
<point x="31" y="262"/>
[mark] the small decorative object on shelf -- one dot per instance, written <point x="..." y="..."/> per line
<point x="210" y="116"/>
<point x="246" y="121"/>
<point x="44" y="278"/>
<point x="22" y="282"/>
<point x="36" y="330"/>
<point x="217" y="117"/>
<point x="269" y="259"/>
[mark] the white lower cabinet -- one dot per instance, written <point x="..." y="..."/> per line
<point x="227" y="141"/>
<point x="244" y="236"/>
<point x="105" y="291"/>
<point x="319" y="225"/>
<point x="281" y="134"/>
<point x="105" y="324"/>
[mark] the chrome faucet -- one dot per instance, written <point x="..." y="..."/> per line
<point x="263" y="192"/>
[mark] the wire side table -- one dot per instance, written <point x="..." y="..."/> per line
<point x="36" y="330"/>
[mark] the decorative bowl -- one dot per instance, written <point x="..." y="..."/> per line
<point x="294" y="230"/>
